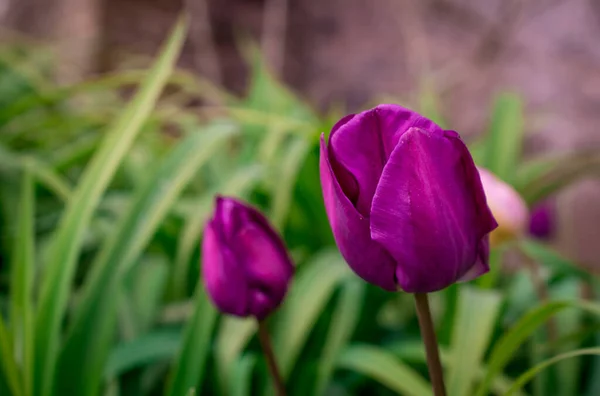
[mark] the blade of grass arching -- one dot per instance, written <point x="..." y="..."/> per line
<point x="42" y="172"/>
<point x="505" y="136"/>
<point x="511" y="341"/>
<point x="188" y="369"/>
<point x="385" y="368"/>
<point x="310" y="292"/>
<point x="477" y="314"/>
<point x="88" y="340"/>
<point x="237" y="184"/>
<point x="22" y="269"/>
<point x="288" y="170"/>
<point x="10" y="377"/>
<point x="343" y="323"/>
<point x="532" y="372"/>
<point x="67" y="241"/>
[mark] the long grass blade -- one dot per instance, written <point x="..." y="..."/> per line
<point x="67" y="242"/>
<point x="9" y="372"/>
<point x="188" y="370"/>
<point x="22" y="268"/>
<point x="477" y="313"/>
<point x="343" y="323"/>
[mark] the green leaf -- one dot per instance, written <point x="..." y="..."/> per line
<point x="532" y="372"/>
<point x="477" y="314"/>
<point x="157" y="346"/>
<point x="343" y="323"/>
<point x="149" y="283"/>
<point x="567" y="322"/>
<point x="232" y="337"/>
<point x="505" y="136"/>
<point x="505" y="348"/>
<point x="9" y="373"/>
<point x="241" y="381"/>
<point x="188" y="369"/>
<point x="310" y="292"/>
<point x="22" y="275"/>
<point x="89" y="338"/>
<point x="385" y="368"/>
<point x="593" y="385"/>
<point x="288" y="170"/>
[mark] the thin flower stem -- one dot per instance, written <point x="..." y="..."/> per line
<point x="431" y="347"/>
<point x="265" y="343"/>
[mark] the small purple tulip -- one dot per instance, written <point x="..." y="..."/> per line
<point x="405" y="201"/>
<point x="541" y="220"/>
<point x="245" y="265"/>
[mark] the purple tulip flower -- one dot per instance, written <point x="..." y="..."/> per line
<point x="541" y="220"/>
<point x="405" y="201"/>
<point x="245" y="265"/>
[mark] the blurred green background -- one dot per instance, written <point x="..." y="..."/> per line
<point x="106" y="184"/>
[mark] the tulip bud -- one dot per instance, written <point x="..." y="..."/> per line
<point x="509" y="209"/>
<point x="404" y="200"/>
<point x="245" y="265"/>
<point x="541" y="220"/>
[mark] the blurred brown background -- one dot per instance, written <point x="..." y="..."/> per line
<point x="353" y="51"/>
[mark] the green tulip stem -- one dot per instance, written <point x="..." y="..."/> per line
<point x="265" y="343"/>
<point x="436" y="373"/>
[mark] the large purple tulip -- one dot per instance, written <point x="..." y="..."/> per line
<point x="245" y="266"/>
<point x="405" y="201"/>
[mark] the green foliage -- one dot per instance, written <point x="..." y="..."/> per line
<point x="505" y="136"/>
<point x="103" y="205"/>
<point x="385" y="368"/>
<point x="473" y="329"/>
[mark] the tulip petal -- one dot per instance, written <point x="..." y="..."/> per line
<point x="359" y="146"/>
<point x="225" y="282"/>
<point x="427" y="210"/>
<point x="268" y="268"/>
<point x="351" y="231"/>
<point x="482" y="264"/>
